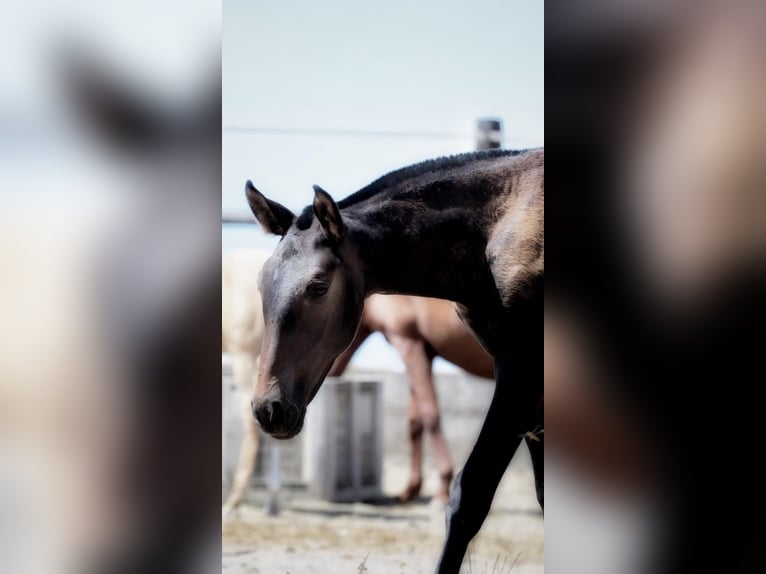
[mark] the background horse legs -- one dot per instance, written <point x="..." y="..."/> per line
<point x="423" y="415"/>
<point x="244" y="370"/>
<point x="416" y="452"/>
<point x="511" y="414"/>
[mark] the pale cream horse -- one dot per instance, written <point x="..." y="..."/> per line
<point x="241" y="338"/>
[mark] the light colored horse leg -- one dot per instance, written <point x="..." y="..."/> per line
<point x="431" y="417"/>
<point x="426" y="407"/>
<point x="244" y="369"/>
<point x="416" y="452"/>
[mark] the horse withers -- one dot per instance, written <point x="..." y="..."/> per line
<point x="466" y="228"/>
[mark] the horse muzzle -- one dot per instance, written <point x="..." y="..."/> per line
<point x="281" y="420"/>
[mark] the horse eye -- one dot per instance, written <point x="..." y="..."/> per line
<point x="316" y="290"/>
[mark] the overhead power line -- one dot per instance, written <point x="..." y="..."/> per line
<point x="345" y="132"/>
<point x="238" y="218"/>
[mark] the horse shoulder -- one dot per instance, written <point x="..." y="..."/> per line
<point x="515" y="250"/>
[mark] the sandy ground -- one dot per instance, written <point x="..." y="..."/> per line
<point x="314" y="537"/>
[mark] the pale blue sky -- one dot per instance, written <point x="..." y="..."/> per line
<point x="427" y="67"/>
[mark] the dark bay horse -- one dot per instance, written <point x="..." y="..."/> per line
<point x="466" y="228"/>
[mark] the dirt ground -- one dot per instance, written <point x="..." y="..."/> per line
<point x="314" y="537"/>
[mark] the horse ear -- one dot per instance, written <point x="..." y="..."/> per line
<point x="328" y="214"/>
<point x="273" y="217"/>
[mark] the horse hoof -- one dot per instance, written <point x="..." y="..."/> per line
<point x="228" y="513"/>
<point x="225" y="513"/>
<point x="409" y="494"/>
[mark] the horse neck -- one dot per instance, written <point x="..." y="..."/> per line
<point x="414" y="246"/>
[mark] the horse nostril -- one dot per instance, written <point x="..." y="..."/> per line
<point x="269" y="414"/>
<point x="262" y="413"/>
<point x="277" y="414"/>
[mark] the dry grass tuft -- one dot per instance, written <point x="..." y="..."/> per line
<point x="498" y="567"/>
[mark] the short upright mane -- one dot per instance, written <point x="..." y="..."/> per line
<point x="398" y="176"/>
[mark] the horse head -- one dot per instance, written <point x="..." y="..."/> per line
<point x="313" y="296"/>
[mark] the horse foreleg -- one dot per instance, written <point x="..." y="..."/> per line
<point x="245" y="368"/>
<point x="443" y="463"/>
<point x="416" y="452"/>
<point x="510" y="416"/>
<point x="430" y="417"/>
<point x="246" y="464"/>
<point x="424" y="415"/>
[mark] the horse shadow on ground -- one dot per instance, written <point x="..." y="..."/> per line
<point x="367" y="509"/>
